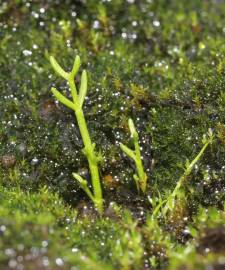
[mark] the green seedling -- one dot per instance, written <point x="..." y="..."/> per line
<point x="89" y="147"/>
<point x="171" y="200"/>
<point x="141" y="177"/>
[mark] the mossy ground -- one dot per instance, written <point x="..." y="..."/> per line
<point x="161" y="63"/>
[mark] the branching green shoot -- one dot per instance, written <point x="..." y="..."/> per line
<point x="141" y="177"/>
<point x="172" y="198"/>
<point x="89" y="148"/>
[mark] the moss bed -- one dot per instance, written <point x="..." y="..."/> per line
<point x="159" y="62"/>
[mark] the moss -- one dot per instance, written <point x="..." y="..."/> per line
<point x="160" y="63"/>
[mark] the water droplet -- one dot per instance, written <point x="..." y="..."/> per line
<point x="156" y="23"/>
<point x="34" y="161"/>
<point x="27" y="52"/>
<point x="74" y="250"/>
<point x="59" y="262"/>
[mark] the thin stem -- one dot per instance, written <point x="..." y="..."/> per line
<point x="84" y="186"/>
<point x="88" y="150"/>
<point x="88" y="147"/>
<point x="141" y="178"/>
<point x="170" y="203"/>
<point x="140" y="169"/>
<point x="92" y="159"/>
<point x="73" y="90"/>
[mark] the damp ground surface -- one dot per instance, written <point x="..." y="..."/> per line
<point x="161" y="63"/>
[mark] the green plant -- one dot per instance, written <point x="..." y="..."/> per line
<point x="89" y="147"/>
<point x="140" y="178"/>
<point x="171" y="200"/>
<point x="128" y="250"/>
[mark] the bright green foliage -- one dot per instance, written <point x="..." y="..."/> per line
<point x="129" y="249"/>
<point x="89" y="147"/>
<point x="42" y="221"/>
<point x="170" y="202"/>
<point x="159" y="61"/>
<point x="140" y="178"/>
<point x="158" y="239"/>
<point x="207" y="245"/>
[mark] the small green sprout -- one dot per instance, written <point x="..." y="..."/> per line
<point x="171" y="200"/>
<point x="141" y="177"/>
<point x="89" y="148"/>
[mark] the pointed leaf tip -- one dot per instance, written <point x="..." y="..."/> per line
<point x="77" y="59"/>
<point x="62" y="98"/>
<point x="83" y="87"/>
<point x="132" y="128"/>
<point x="58" y="69"/>
<point x="76" y="65"/>
<point x="80" y="179"/>
<point x="128" y="151"/>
